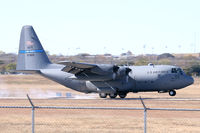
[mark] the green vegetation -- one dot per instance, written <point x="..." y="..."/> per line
<point x="2" y="69"/>
<point x="142" y="61"/>
<point x="165" y="61"/>
<point x="194" y="70"/>
<point x="10" y="67"/>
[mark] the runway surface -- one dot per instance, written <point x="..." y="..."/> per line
<point x="93" y="97"/>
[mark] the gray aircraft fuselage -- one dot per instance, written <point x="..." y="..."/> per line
<point x="141" y="78"/>
<point x="105" y="79"/>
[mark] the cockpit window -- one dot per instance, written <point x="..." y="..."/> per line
<point x="177" y="70"/>
<point x="174" y="70"/>
<point x="180" y="71"/>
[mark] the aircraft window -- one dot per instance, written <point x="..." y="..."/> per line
<point x="177" y="70"/>
<point x="180" y="71"/>
<point x="174" y="70"/>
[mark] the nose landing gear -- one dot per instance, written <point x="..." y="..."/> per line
<point x="172" y="92"/>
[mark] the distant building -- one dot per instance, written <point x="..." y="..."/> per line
<point x="128" y="53"/>
<point x="107" y="54"/>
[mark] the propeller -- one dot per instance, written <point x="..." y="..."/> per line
<point x="123" y="72"/>
<point x="127" y="70"/>
<point x="115" y="71"/>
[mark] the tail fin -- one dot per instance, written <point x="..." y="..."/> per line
<point x="31" y="54"/>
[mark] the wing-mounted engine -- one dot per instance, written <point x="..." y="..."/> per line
<point x="123" y="71"/>
<point x="115" y="72"/>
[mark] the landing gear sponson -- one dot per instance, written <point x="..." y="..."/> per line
<point x="113" y="95"/>
<point x="123" y="95"/>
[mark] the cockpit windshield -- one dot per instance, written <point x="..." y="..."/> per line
<point x="177" y="70"/>
<point x="180" y="71"/>
<point x="174" y="70"/>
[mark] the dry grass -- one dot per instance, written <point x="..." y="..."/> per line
<point x="62" y="121"/>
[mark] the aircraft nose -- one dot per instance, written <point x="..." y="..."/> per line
<point x="190" y="80"/>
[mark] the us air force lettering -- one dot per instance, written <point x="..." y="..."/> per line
<point x="105" y="79"/>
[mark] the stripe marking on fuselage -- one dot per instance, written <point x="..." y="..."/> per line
<point x="31" y="51"/>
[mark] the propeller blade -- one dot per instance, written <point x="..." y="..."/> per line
<point x="127" y="77"/>
<point x="114" y="76"/>
<point x="127" y="72"/>
<point x="115" y="71"/>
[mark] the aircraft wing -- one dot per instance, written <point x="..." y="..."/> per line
<point x="95" y="72"/>
<point x="76" y="67"/>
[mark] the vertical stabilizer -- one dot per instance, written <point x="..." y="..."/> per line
<point x="31" y="55"/>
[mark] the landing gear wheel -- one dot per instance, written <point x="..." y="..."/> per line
<point x="103" y="95"/>
<point x="114" y="95"/>
<point x="172" y="92"/>
<point x="122" y="95"/>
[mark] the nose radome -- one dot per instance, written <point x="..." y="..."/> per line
<point x="190" y="80"/>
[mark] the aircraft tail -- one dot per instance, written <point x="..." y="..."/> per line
<point x="31" y="55"/>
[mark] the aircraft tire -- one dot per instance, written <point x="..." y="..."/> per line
<point x="103" y="95"/>
<point x="122" y="95"/>
<point x="114" y="95"/>
<point x="172" y="92"/>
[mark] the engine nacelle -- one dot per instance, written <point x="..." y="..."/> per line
<point x="123" y="71"/>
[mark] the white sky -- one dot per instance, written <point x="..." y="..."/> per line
<point x="103" y="26"/>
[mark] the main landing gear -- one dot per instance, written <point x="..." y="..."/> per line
<point x="103" y="95"/>
<point x="172" y="92"/>
<point x="113" y="95"/>
<point x="122" y="95"/>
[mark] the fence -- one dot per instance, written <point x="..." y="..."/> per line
<point x="122" y="121"/>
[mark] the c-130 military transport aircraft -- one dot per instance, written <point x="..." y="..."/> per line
<point x="105" y="79"/>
